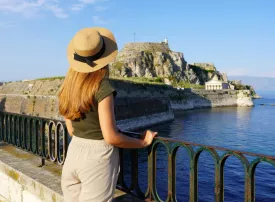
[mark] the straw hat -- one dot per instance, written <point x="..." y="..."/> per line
<point x="91" y="49"/>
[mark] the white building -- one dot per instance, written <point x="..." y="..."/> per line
<point x="216" y="84"/>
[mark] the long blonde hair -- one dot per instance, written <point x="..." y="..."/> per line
<point x="76" y="96"/>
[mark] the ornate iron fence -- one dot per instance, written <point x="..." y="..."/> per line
<point x="49" y="140"/>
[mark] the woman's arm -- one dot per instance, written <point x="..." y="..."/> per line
<point x="109" y="129"/>
<point x="69" y="126"/>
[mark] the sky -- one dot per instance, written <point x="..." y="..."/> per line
<point x="237" y="36"/>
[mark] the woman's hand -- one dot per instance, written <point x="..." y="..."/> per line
<point x="148" y="137"/>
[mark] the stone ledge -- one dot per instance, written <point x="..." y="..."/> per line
<point x="24" y="179"/>
<point x="2" y="199"/>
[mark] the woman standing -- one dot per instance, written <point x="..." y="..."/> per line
<point x="86" y="100"/>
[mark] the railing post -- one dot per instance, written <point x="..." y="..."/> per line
<point x="121" y="173"/>
<point x="219" y="182"/>
<point x="249" y="185"/>
<point x="152" y="192"/>
<point x="134" y="170"/>
<point x="193" y="179"/>
<point x="171" y="178"/>
<point x="1" y="126"/>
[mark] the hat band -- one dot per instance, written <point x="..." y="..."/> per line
<point x="90" y="60"/>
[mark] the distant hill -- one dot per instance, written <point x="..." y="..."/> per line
<point x="260" y="84"/>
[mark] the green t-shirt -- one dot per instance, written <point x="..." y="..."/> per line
<point x="89" y="127"/>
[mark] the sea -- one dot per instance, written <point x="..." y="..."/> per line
<point x="237" y="128"/>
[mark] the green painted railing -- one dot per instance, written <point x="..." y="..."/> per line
<point x="49" y="140"/>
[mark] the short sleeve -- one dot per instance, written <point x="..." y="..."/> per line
<point x="104" y="90"/>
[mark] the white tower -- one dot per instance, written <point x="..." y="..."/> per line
<point x="166" y="41"/>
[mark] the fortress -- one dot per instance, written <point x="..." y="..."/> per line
<point x="154" y="47"/>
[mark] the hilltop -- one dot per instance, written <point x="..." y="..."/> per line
<point x="157" y="61"/>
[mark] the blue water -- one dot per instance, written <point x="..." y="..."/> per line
<point x="245" y="129"/>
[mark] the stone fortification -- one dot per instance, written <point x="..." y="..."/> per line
<point x="136" y="105"/>
<point x="158" y="60"/>
<point x="194" y="99"/>
<point x="148" y="60"/>
<point x="155" y="47"/>
<point x="39" y="98"/>
<point x="206" y="66"/>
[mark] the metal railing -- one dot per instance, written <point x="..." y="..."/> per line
<point x="49" y="140"/>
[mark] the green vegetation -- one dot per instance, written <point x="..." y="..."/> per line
<point x="185" y="84"/>
<point x="160" y="81"/>
<point x="198" y="69"/>
<point x="51" y="78"/>
<point x="118" y="65"/>
<point x="148" y="52"/>
<point x="241" y="87"/>
<point x="245" y="87"/>
<point x="155" y="80"/>
<point x="197" y="86"/>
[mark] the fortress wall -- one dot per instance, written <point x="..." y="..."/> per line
<point x="154" y="47"/>
<point x="134" y="107"/>
<point x="135" y="104"/>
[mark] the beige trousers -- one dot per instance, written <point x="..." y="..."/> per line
<point x="90" y="171"/>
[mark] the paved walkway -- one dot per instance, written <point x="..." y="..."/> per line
<point x="27" y="167"/>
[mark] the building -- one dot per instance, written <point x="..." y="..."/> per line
<point x="165" y="41"/>
<point x="216" y="84"/>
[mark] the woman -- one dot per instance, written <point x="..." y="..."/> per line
<point x="86" y="100"/>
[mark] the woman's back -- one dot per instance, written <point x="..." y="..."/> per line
<point x="89" y="126"/>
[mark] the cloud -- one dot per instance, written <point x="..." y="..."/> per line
<point x="81" y="4"/>
<point x="30" y="8"/>
<point x="77" y="7"/>
<point x="57" y="11"/>
<point x="100" y="8"/>
<point x="98" y="21"/>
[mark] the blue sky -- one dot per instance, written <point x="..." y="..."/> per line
<point x="237" y="36"/>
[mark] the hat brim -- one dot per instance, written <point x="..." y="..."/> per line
<point x="108" y="56"/>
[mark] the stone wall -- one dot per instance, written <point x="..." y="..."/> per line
<point x="134" y="108"/>
<point x="136" y="105"/>
<point x="22" y="180"/>
<point x="184" y="100"/>
<point x="187" y="98"/>
<point x="154" y="47"/>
